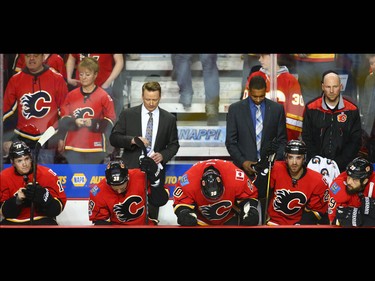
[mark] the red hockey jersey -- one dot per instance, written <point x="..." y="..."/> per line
<point x="97" y="105"/>
<point x="123" y="209"/>
<point x="46" y="177"/>
<point x="339" y="196"/>
<point x="289" y="198"/>
<point x="36" y="99"/>
<point x="237" y="186"/>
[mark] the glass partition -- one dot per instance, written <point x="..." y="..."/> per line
<point x="201" y="137"/>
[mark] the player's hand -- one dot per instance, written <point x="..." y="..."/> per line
<point x="37" y="194"/>
<point x="249" y="213"/>
<point x="261" y="166"/>
<point x="187" y="218"/>
<point x="29" y="191"/>
<point x="149" y="166"/>
<point x="349" y="216"/>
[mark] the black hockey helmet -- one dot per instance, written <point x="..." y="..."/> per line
<point x="18" y="149"/>
<point x="116" y="173"/>
<point x="359" y="168"/>
<point x="296" y="147"/>
<point x="211" y="183"/>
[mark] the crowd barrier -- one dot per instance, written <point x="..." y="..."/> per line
<point x="78" y="179"/>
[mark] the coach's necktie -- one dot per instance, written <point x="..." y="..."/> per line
<point x="149" y="131"/>
<point x="258" y="128"/>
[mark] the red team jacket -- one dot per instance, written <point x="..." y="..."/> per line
<point x="46" y="177"/>
<point x="97" y="105"/>
<point x="121" y="209"/>
<point x="237" y="186"/>
<point x="339" y="196"/>
<point x="36" y="99"/>
<point x="288" y="201"/>
<point x="289" y="95"/>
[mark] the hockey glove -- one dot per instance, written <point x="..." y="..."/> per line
<point x="249" y="213"/>
<point x="262" y="167"/>
<point x="313" y="217"/>
<point x="37" y="194"/>
<point x="102" y="222"/>
<point x="349" y="216"/>
<point x="148" y="165"/>
<point x="368" y="206"/>
<point x="271" y="148"/>
<point x="187" y="218"/>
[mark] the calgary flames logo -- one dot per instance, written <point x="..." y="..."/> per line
<point x="84" y="112"/>
<point x="289" y="202"/>
<point x="342" y="117"/>
<point x="35" y="105"/>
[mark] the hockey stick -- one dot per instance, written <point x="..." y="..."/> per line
<point x="270" y="160"/>
<point x="140" y="144"/>
<point x="42" y="140"/>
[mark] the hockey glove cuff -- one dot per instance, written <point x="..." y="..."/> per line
<point x="187" y="218"/>
<point x="349" y="216"/>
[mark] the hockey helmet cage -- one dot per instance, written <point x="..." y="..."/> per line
<point x="211" y="183"/>
<point x="116" y="173"/>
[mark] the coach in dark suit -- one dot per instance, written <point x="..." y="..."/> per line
<point x="241" y="138"/>
<point x="132" y="123"/>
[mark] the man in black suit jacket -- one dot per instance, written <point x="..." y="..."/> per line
<point x="132" y="123"/>
<point x="240" y="136"/>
